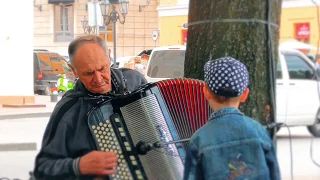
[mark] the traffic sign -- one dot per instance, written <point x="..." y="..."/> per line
<point x="155" y="35"/>
<point x="185" y="25"/>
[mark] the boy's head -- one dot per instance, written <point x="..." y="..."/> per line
<point x="227" y="81"/>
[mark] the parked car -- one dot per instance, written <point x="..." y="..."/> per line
<point x="123" y="60"/>
<point x="147" y="52"/>
<point x="166" y="62"/>
<point x="48" y="66"/>
<point x="297" y="89"/>
<point x="66" y="58"/>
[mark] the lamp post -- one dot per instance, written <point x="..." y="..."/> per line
<point x="114" y="16"/>
<point x="93" y="14"/>
<point x="86" y="28"/>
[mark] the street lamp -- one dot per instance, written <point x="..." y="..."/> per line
<point x="114" y="16"/>
<point x="86" y="28"/>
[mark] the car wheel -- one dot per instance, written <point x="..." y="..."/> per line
<point x="315" y="128"/>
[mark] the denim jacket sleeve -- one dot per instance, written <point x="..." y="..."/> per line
<point x="272" y="162"/>
<point x="193" y="170"/>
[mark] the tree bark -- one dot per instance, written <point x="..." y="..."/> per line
<point x="245" y="41"/>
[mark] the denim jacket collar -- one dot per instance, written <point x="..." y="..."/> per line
<point x="225" y="111"/>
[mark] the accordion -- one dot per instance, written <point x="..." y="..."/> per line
<point x="164" y="111"/>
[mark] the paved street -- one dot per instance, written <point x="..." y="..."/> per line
<point x="17" y="164"/>
<point x="303" y="167"/>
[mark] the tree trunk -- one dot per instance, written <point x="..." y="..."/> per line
<point x="245" y="41"/>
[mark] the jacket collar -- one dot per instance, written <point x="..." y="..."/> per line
<point x="225" y="111"/>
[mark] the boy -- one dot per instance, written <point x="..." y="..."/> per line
<point x="230" y="146"/>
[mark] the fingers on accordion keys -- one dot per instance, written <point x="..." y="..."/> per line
<point x="109" y="171"/>
<point x="111" y="165"/>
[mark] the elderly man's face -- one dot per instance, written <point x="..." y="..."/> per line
<point x="92" y="66"/>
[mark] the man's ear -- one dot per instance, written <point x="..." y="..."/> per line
<point x="207" y="92"/>
<point x="73" y="70"/>
<point x="244" y="96"/>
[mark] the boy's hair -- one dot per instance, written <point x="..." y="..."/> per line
<point x="224" y="99"/>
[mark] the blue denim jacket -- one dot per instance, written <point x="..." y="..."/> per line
<point x="231" y="146"/>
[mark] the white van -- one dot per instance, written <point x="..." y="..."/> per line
<point x="165" y="62"/>
<point x="297" y="91"/>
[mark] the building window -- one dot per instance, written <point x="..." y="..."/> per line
<point x="63" y="23"/>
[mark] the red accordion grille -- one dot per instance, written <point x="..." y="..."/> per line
<point x="186" y="104"/>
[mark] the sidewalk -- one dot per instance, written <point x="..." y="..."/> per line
<point x="14" y="113"/>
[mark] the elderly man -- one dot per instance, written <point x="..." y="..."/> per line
<point x="68" y="150"/>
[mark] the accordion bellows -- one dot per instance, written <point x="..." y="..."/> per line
<point x="165" y="111"/>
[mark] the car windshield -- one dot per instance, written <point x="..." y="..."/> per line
<point x="167" y="64"/>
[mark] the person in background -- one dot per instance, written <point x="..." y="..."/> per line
<point x="144" y="58"/>
<point x="129" y="64"/>
<point x="138" y="66"/>
<point x="144" y="62"/>
<point x="231" y="145"/>
<point x="63" y="84"/>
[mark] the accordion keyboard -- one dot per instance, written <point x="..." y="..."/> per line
<point x="108" y="142"/>
<point x="107" y="134"/>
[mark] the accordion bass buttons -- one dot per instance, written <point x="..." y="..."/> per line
<point x="107" y="140"/>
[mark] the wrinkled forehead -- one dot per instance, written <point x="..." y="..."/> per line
<point x="90" y="53"/>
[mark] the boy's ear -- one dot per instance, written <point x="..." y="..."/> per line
<point x="244" y="96"/>
<point x="207" y="92"/>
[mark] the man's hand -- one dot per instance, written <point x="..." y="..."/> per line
<point x="98" y="163"/>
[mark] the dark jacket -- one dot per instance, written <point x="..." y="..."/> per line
<point x="67" y="136"/>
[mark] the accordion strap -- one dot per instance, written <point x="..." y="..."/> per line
<point x="119" y="81"/>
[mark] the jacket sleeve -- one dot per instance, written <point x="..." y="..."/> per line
<point x="192" y="168"/>
<point x="272" y="162"/>
<point x="143" y="80"/>
<point x="53" y="161"/>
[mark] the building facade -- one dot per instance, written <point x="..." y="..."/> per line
<point x="172" y="15"/>
<point x="57" y="22"/>
<point x="299" y="20"/>
<point x="16" y="69"/>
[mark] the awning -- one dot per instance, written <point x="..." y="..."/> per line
<point x="60" y="1"/>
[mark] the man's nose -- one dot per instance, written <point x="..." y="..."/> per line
<point x="97" y="77"/>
